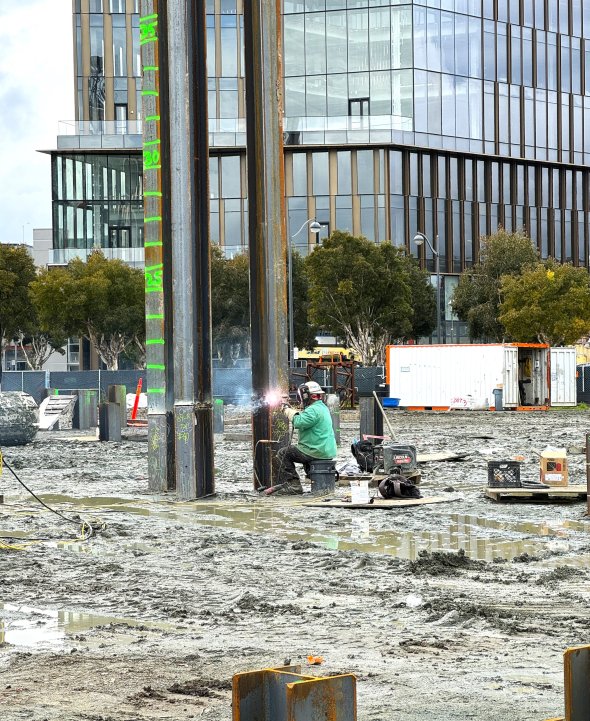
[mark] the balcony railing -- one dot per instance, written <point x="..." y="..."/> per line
<point x="231" y="132"/>
<point x="62" y="256"/>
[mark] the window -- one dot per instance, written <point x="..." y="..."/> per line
<point x="136" y="46"/>
<point x="119" y="47"/>
<point x="359" y="107"/>
<point x="344" y="172"/>
<point x="365" y="172"/>
<point x="96" y="45"/>
<point x="121" y="119"/>
<point x="119" y="237"/>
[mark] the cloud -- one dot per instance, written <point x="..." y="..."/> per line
<point x="36" y="92"/>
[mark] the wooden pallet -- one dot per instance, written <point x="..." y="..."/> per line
<point x="380" y="503"/>
<point x="555" y="493"/>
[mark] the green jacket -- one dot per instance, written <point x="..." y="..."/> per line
<point x="316" y="435"/>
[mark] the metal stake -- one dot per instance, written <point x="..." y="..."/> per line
<point x="158" y="298"/>
<point x="187" y="66"/>
<point x="266" y="227"/>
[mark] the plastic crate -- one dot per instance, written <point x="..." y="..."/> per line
<point x="504" y="474"/>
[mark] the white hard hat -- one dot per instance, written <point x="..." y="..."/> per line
<point x="314" y="388"/>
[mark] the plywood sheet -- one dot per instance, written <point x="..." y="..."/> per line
<point x="571" y="492"/>
<point x="382" y="503"/>
<point x="443" y="456"/>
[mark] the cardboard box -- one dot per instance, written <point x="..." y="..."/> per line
<point x="554" y="470"/>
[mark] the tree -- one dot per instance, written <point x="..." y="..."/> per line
<point x="17" y="270"/>
<point x="39" y="344"/>
<point x="423" y="298"/>
<point x="230" y="306"/>
<point x="360" y="292"/>
<point x="102" y="300"/>
<point x="476" y="299"/>
<point x="549" y="303"/>
<point x="305" y="332"/>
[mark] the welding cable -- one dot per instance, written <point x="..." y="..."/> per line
<point x="14" y="546"/>
<point x="290" y="440"/>
<point x="260" y="487"/>
<point x="86" y="528"/>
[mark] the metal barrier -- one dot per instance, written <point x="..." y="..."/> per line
<point x="232" y="385"/>
<point x="583" y="383"/>
<point x="368" y="378"/>
<point x="283" y="694"/>
<point x="576" y="669"/>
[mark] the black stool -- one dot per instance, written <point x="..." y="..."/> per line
<point x="323" y="475"/>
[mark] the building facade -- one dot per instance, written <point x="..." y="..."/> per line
<point x="449" y="117"/>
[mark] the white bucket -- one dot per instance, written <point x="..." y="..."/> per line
<point x="359" y="491"/>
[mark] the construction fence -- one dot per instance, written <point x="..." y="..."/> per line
<point x="232" y="385"/>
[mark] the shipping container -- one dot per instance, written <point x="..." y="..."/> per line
<point x="563" y="377"/>
<point x="499" y="376"/>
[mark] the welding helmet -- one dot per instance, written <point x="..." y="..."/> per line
<point x="309" y="392"/>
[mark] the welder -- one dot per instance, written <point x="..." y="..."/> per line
<point x="316" y="439"/>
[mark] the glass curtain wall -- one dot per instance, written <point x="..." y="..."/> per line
<point x="347" y="63"/>
<point x="485" y="108"/>
<point x="107" y="66"/>
<point x="510" y="79"/>
<point x="98" y="204"/>
<point x="389" y="193"/>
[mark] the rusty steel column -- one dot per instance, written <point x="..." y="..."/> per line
<point x="156" y="202"/>
<point x="266" y="229"/>
<point x="191" y="270"/>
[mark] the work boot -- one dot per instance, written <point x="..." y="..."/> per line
<point x="291" y="488"/>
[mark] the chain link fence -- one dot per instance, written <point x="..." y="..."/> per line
<point x="232" y="385"/>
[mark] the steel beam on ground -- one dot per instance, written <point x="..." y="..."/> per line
<point x="576" y="663"/>
<point x="189" y="191"/>
<point x="283" y="694"/>
<point x="157" y="247"/>
<point x="576" y="681"/>
<point x="266" y="229"/>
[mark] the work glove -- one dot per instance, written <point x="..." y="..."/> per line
<point x="290" y="412"/>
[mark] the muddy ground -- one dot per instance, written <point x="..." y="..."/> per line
<point x="452" y="611"/>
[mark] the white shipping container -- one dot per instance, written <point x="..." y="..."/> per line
<point x="563" y="377"/>
<point x="466" y="376"/>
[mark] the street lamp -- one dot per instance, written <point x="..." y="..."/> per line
<point x="27" y="223"/>
<point x="420" y="239"/>
<point x="452" y="321"/>
<point x="315" y="228"/>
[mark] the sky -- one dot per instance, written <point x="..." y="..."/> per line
<point x="36" y="92"/>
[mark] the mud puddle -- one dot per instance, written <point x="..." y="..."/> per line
<point x="42" y="629"/>
<point x="483" y="539"/>
<point x="102" y="503"/>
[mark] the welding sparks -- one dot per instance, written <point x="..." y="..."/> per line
<point x="274" y="398"/>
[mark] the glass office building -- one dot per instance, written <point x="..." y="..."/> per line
<point x="450" y="117"/>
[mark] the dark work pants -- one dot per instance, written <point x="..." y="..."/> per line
<point x="287" y="457"/>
